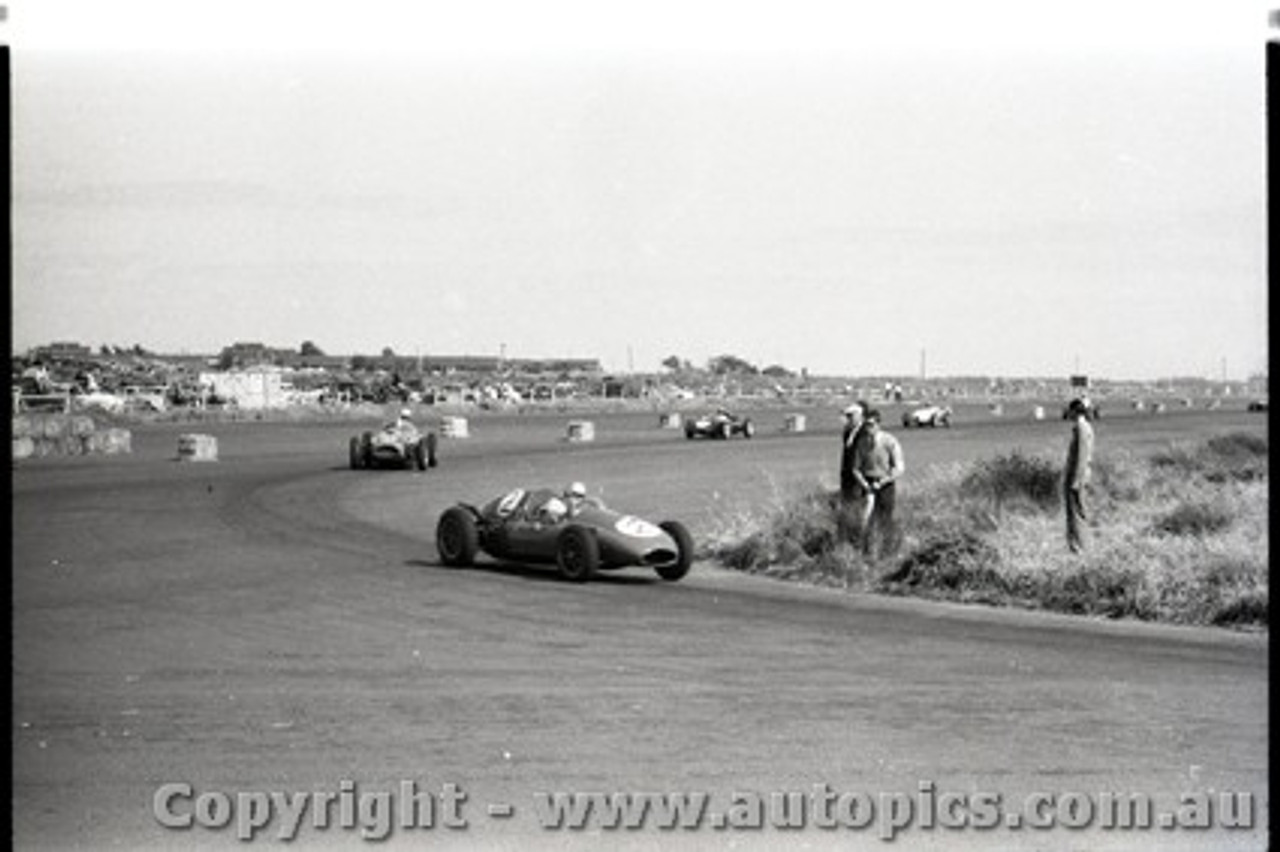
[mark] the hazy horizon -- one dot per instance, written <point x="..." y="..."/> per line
<point x="834" y="193"/>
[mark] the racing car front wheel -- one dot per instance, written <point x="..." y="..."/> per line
<point x="430" y="441"/>
<point x="684" y="547"/>
<point x="355" y="454"/>
<point x="457" y="538"/>
<point x="577" y="554"/>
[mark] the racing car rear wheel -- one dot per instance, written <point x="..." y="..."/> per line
<point x="457" y="539"/>
<point x="748" y="429"/>
<point x="684" y="557"/>
<point x="419" y="454"/>
<point x="366" y="449"/>
<point x="430" y="440"/>
<point x="723" y="430"/>
<point x="356" y="456"/>
<point x="577" y="554"/>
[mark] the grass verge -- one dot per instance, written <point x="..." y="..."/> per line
<point x="1179" y="535"/>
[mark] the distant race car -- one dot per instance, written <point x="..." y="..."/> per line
<point x="1259" y="405"/>
<point x="394" y="445"/>
<point x="516" y="526"/>
<point x="929" y="415"/>
<point x="722" y="424"/>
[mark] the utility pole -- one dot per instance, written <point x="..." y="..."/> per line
<point x="922" y="370"/>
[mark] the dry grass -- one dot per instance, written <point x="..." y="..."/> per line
<point x="1177" y="536"/>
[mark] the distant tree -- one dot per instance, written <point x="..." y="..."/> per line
<point x="309" y="348"/>
<point x="777" y="371"/>
<point x="388" y="352"/>
<point x="722" y="364"/>
<point x="672" y="362"/>
<point x="361" y="362"/>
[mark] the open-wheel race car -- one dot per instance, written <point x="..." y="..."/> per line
<point x="395" y="445"/>
<point x="929" y="415"/>
<point x="722" y="424"/>
<point x="542" y="526"/>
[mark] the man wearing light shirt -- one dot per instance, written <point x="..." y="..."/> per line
<point x="877" y="464"/>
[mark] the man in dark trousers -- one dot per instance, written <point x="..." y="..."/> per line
<point x="1079" y="459"/>
<point x="853" y="503"/>
<point x="877" y="465"/>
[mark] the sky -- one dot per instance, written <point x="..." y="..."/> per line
<point x="987" y="188"/>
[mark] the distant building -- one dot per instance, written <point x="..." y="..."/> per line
<point x="253" y="389"/>
<point x="241" y="354"/>
<point x="62" y="351"/>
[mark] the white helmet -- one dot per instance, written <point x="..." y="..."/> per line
<point x="576" y="489"/>
<point x="406" y="413"/>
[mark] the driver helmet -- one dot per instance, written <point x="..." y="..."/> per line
<point x="576" y="489"/>
<point x="405" y="413"/>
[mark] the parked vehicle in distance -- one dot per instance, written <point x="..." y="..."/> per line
<point x="1259" y="405"/>
<point x="929" y="415"/>
<point x="722" y="424"/>
<point x="518" y="526"/>
<point x="400" y="445"/>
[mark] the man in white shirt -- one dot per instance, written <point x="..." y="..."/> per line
<point x="877" y="465"/>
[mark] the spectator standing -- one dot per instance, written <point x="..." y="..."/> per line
<point x="853" y="499"/>
<point x="1076" y="478"/>
<point x="877" y="465"/>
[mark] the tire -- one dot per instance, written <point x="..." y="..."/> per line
<point x="748" y="429"/>
<point x="723" y="431"/>
<point x="457" y="539"/>
<point x="366" y="449"/>
<point x="430" y="440"/>
<point x="355" y="455"/>
<point x="420" y="454"/>
<point x="906" y="421"/>
<point x="684" y="544"/>
<point x="690" y="430"/>
<point x="577" y="554"/>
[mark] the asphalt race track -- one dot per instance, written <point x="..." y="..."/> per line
<point x="276" y="622"/>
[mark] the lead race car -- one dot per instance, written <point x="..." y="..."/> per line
<point x="722" y="424"/>
<point x="538" y="526"/>
<point x="398" y="444"/>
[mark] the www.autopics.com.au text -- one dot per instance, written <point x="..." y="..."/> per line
<point x="411" y="806"/>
